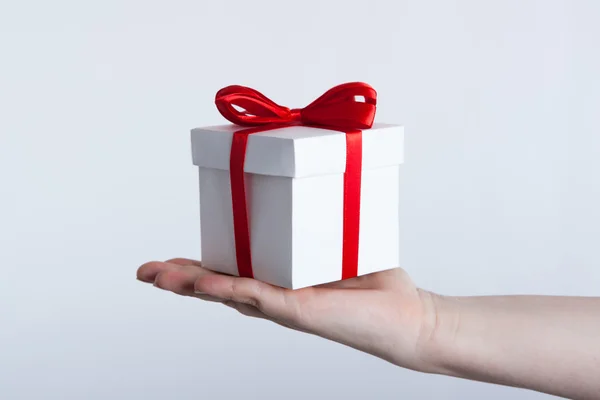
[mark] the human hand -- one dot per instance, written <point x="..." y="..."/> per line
<point x="544" y="343"/>
<point x="383" y="314"/>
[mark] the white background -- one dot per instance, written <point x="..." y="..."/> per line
<point x="501" y="185"/>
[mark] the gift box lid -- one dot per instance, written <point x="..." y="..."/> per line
<point x="297" y="151"/>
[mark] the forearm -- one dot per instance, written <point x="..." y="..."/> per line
<point x="549" y="344"/>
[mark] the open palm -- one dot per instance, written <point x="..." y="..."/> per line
<point x="373" y="313"/>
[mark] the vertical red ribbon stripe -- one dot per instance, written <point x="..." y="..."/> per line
<point x="352" y="185"/>
<point x="241" y="225"/>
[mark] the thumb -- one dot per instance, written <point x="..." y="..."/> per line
<point x="272" y="301"/>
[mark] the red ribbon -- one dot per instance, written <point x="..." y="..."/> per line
<point x="347" y="108"/>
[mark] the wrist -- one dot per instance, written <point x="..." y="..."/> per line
<point x="439" y="328"/>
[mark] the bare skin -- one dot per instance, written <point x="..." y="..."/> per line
<point x="544" y="343"/>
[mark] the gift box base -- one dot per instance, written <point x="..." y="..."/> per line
<point x="297" y="225"/>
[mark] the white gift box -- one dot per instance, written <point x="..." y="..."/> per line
<point x="294" y="189"/>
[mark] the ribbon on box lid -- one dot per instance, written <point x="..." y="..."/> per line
<point x="347" y="108"/>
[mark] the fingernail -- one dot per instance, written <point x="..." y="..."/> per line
<point x="199" y="292"/>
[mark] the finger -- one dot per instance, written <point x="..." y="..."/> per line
<point x="275" y="302"/>
<point x="184" y="261"/>
<point x="187" y="261"/>
<point x="149" y="271"/>
<point x="180" y="280"/>
<point x="207" y="298"/>
<point x="245" y="309"/>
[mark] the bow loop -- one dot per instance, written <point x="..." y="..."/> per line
<point x="349" y="106"/>
<point x="256" y="108"/>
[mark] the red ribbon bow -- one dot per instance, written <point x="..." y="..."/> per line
<point x="347" y="108"/>
<point x="338" y="107"/>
